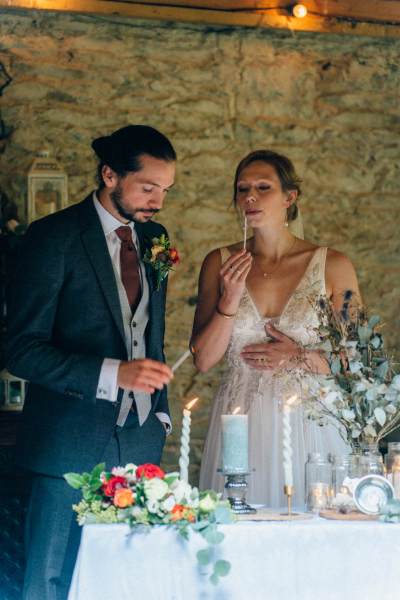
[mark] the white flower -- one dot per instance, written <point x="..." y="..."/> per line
<point x="118" y="471"/>
<point x="152" y="506"/>
<point x="155" y="489"/>
<point x="168" y="504"/>
<point x="207" y="504"/>
<point x="130" y="472"/>
<point x="181" y="491"/>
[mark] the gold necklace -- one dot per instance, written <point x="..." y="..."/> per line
<point x="267" y="274"/>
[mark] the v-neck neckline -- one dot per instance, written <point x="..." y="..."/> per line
<point x="265" y="318"/>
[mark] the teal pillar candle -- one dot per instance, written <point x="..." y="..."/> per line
<point x="235" y="444"/>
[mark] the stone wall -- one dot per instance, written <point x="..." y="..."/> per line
<point x="331" y="103"/>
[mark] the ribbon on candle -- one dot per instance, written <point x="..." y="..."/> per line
<point x="185" y="441"/>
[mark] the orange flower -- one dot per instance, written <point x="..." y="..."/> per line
<point x="174" y="256"/>
<point x="123" y="497"/>
<point x="180" y="512"/>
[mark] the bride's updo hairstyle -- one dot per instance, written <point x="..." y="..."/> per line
<point x="284" y="169"/>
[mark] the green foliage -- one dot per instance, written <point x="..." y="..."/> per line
<point x="363" y="394"/>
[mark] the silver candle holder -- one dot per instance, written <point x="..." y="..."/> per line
<point x="236" y="490"/>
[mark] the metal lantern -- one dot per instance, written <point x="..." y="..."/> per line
<point x="12" y="391"/>
<point x="47" y="187"/>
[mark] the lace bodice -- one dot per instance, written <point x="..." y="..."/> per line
<point x="298" y="320"/>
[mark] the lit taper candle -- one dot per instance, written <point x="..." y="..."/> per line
<point x="245" y="233"/>
<point x="185" y="441"/>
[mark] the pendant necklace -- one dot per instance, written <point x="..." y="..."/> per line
<point x="267" y="274"/>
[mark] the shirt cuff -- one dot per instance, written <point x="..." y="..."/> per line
<point x="107" y="386"/>
<point x="165" y="420"/>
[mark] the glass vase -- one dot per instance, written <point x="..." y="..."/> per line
<point x="366" y="460"/>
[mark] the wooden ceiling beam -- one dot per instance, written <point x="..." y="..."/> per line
<point x="255" y="18"/>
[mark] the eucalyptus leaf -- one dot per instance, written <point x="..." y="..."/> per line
<point x="214" y="579"/>
<point x="382" y="370"/>
<point x="212" y="535"/>
<point x="204" y="556"/>
<point x="223" y="514"/>
<point x="222" y="568"/>
<point x="373" y="321"/>
<point x="380" y="416"/>
<point x="336" y="365"/>
<point x="376" y="342"/>
<point x="364" y="333"/>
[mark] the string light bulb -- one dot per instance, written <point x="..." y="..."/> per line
<point x="299" y="11"/>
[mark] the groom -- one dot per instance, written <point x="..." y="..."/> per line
<point x="86" y="329"/>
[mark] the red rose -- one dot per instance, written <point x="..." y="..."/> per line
<point x="112" y="484"/>
<point x="174" y="256"/>
<point x="149" y="471"/>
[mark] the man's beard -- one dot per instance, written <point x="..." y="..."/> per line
<point x="129" y="215"/>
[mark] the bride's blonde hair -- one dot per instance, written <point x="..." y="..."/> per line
<point x="284" y="169"/>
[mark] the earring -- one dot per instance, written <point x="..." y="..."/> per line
<point x="286" y="224"/>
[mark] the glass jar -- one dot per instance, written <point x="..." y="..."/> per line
<point x="341" y="468"/>
<point x="395" y="475"/>
<point x="370" y="460"/>
<point x="391" y="457"/>
<point x="318" y="482"/>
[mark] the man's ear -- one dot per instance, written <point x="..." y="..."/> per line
<point x="110" y="177"/>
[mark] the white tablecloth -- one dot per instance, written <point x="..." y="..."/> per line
<point x="298" y="560"/>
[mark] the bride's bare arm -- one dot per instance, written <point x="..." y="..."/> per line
<point x="340" y="277"/>
<point x="220" y="289"/>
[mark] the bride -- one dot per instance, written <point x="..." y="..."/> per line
<point x="254" y="309"/>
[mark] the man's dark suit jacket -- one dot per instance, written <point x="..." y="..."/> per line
<point x="64" y="318"/>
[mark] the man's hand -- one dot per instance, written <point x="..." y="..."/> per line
<point x="143" y="375"/>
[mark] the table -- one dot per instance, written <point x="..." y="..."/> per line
<point x="299" y="560"/>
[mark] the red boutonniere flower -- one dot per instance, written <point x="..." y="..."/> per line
<point x="149" y="471"/>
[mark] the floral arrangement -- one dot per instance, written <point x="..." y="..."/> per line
<point x="161" y="257"/>
<point x="144" y="496"/>
<point x="362" y="397"/>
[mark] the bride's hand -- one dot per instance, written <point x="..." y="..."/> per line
<point x="233" y="275"/>
<point x="274" y="354"/>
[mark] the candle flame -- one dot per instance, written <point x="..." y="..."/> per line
<point x="290" y="401"/>
<point x="237" y="409"/>
<point x="191" y="403"/>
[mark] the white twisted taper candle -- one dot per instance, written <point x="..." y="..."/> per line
<point x="287" y="442"/>
<point x="185" y="442"/>
<point x="245" y="233"/>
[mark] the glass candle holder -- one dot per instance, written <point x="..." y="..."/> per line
<point x="318" y="482"/>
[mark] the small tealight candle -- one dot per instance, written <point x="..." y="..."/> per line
<point x="185" y="441"/>
<point x="235" y="443"/>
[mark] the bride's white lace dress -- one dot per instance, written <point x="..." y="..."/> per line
<point x="259" y="394"/>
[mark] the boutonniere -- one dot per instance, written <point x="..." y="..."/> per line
<point x="161" y="257"/>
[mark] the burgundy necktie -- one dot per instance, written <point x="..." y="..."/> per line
<point x="130" y="275"/>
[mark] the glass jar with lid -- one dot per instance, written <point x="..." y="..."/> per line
<point x="318" y="482"/>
